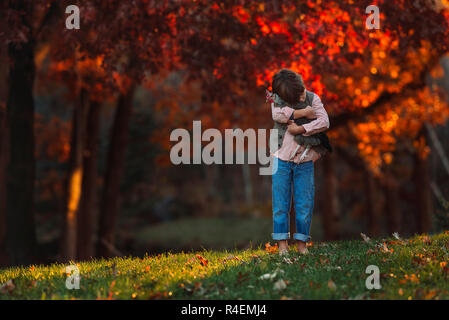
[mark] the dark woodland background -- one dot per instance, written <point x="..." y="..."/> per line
<point x="86" y="115"/>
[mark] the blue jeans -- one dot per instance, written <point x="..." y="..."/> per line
<point x="302" y="176"/>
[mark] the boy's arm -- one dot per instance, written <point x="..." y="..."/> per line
<point x="321" y="123"/>
<point x="307" y="112"/>
<point x="281" y="115"/>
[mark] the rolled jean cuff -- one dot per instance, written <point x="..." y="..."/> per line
<point x="280" y="236"/>
<point x="302" y="237"/>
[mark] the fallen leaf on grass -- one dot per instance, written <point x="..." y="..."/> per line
<point x="287" y="260"/>
<point x="445" y="270"/>
<point x="198" y="285"/>
<point x="110" y="290"/>
<point x="199" y="288"/>
<point x="7" y="287"/>
<point x="394" y="242"/>
<point x="279" y="285"/>
<point x="314" y="285"/>
<point x="324" y="260"/>
<point x="242" y="277"/>
<point x="425" y="294"/>
<point x="331" y="285"/>
<point x="385" y="249"/>
<point x="396" y="235"/>
<point x="155" y="296"/>
<point x="202" y="260"/>
<point x="412" y="278"/>
<point x="31" y="283"/>
<point x="271" y="249"/>
<point x="430" y="295"/>
<point x="365" y="237"/>
<point x="268" y="276"/>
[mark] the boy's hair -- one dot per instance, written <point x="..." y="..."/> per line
<point x="288" y="85"/>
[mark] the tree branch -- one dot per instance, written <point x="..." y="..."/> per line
<point x="52" y="12"/>
<point x="343" y="118"/>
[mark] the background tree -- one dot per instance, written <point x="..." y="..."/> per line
<point x="26" y="23"/>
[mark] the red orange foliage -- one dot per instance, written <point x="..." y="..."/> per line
<point x="233" y="48"/>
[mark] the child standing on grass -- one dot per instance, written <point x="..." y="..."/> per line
<point x="294" y="162"/>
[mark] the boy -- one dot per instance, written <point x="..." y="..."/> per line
<point x="295" y="161"/>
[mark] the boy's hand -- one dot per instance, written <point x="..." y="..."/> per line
<point x="294" y="129"/>
<point x="309" y="112"/>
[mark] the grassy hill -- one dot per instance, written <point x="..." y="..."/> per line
<point x="416" y="268"/>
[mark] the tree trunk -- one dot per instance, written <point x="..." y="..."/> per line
<point x="212" y="191"/>
<point x="373" y="217"/>
<point x="3" y="163"/>
<point x="391" y="192"/>
<point x="4" y="141"/>
<point x="330" y="205"/>
<point x="438" y="146"/>
<point x="21" y="237"/>
<point x="85" y="246"/>
<point x="247" y="183"/>
<point x="74" y="181"/>
<point x="275" y="6"/>
<point x="114" y="169"/>
<point x="423" y="207"/>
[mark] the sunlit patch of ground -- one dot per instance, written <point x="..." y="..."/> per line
<point x="416" y="268"/>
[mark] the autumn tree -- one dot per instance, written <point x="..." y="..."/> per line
<point x="27" y="24"/>
<point x="4" y="140"/>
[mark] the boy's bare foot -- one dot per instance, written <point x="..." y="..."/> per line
<point x="302" y="247"/>
<point x="283" y="247"/>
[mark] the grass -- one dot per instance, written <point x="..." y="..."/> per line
<point x="416" y="268"/>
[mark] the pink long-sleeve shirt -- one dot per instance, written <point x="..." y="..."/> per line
<point x="321" y="123"/>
